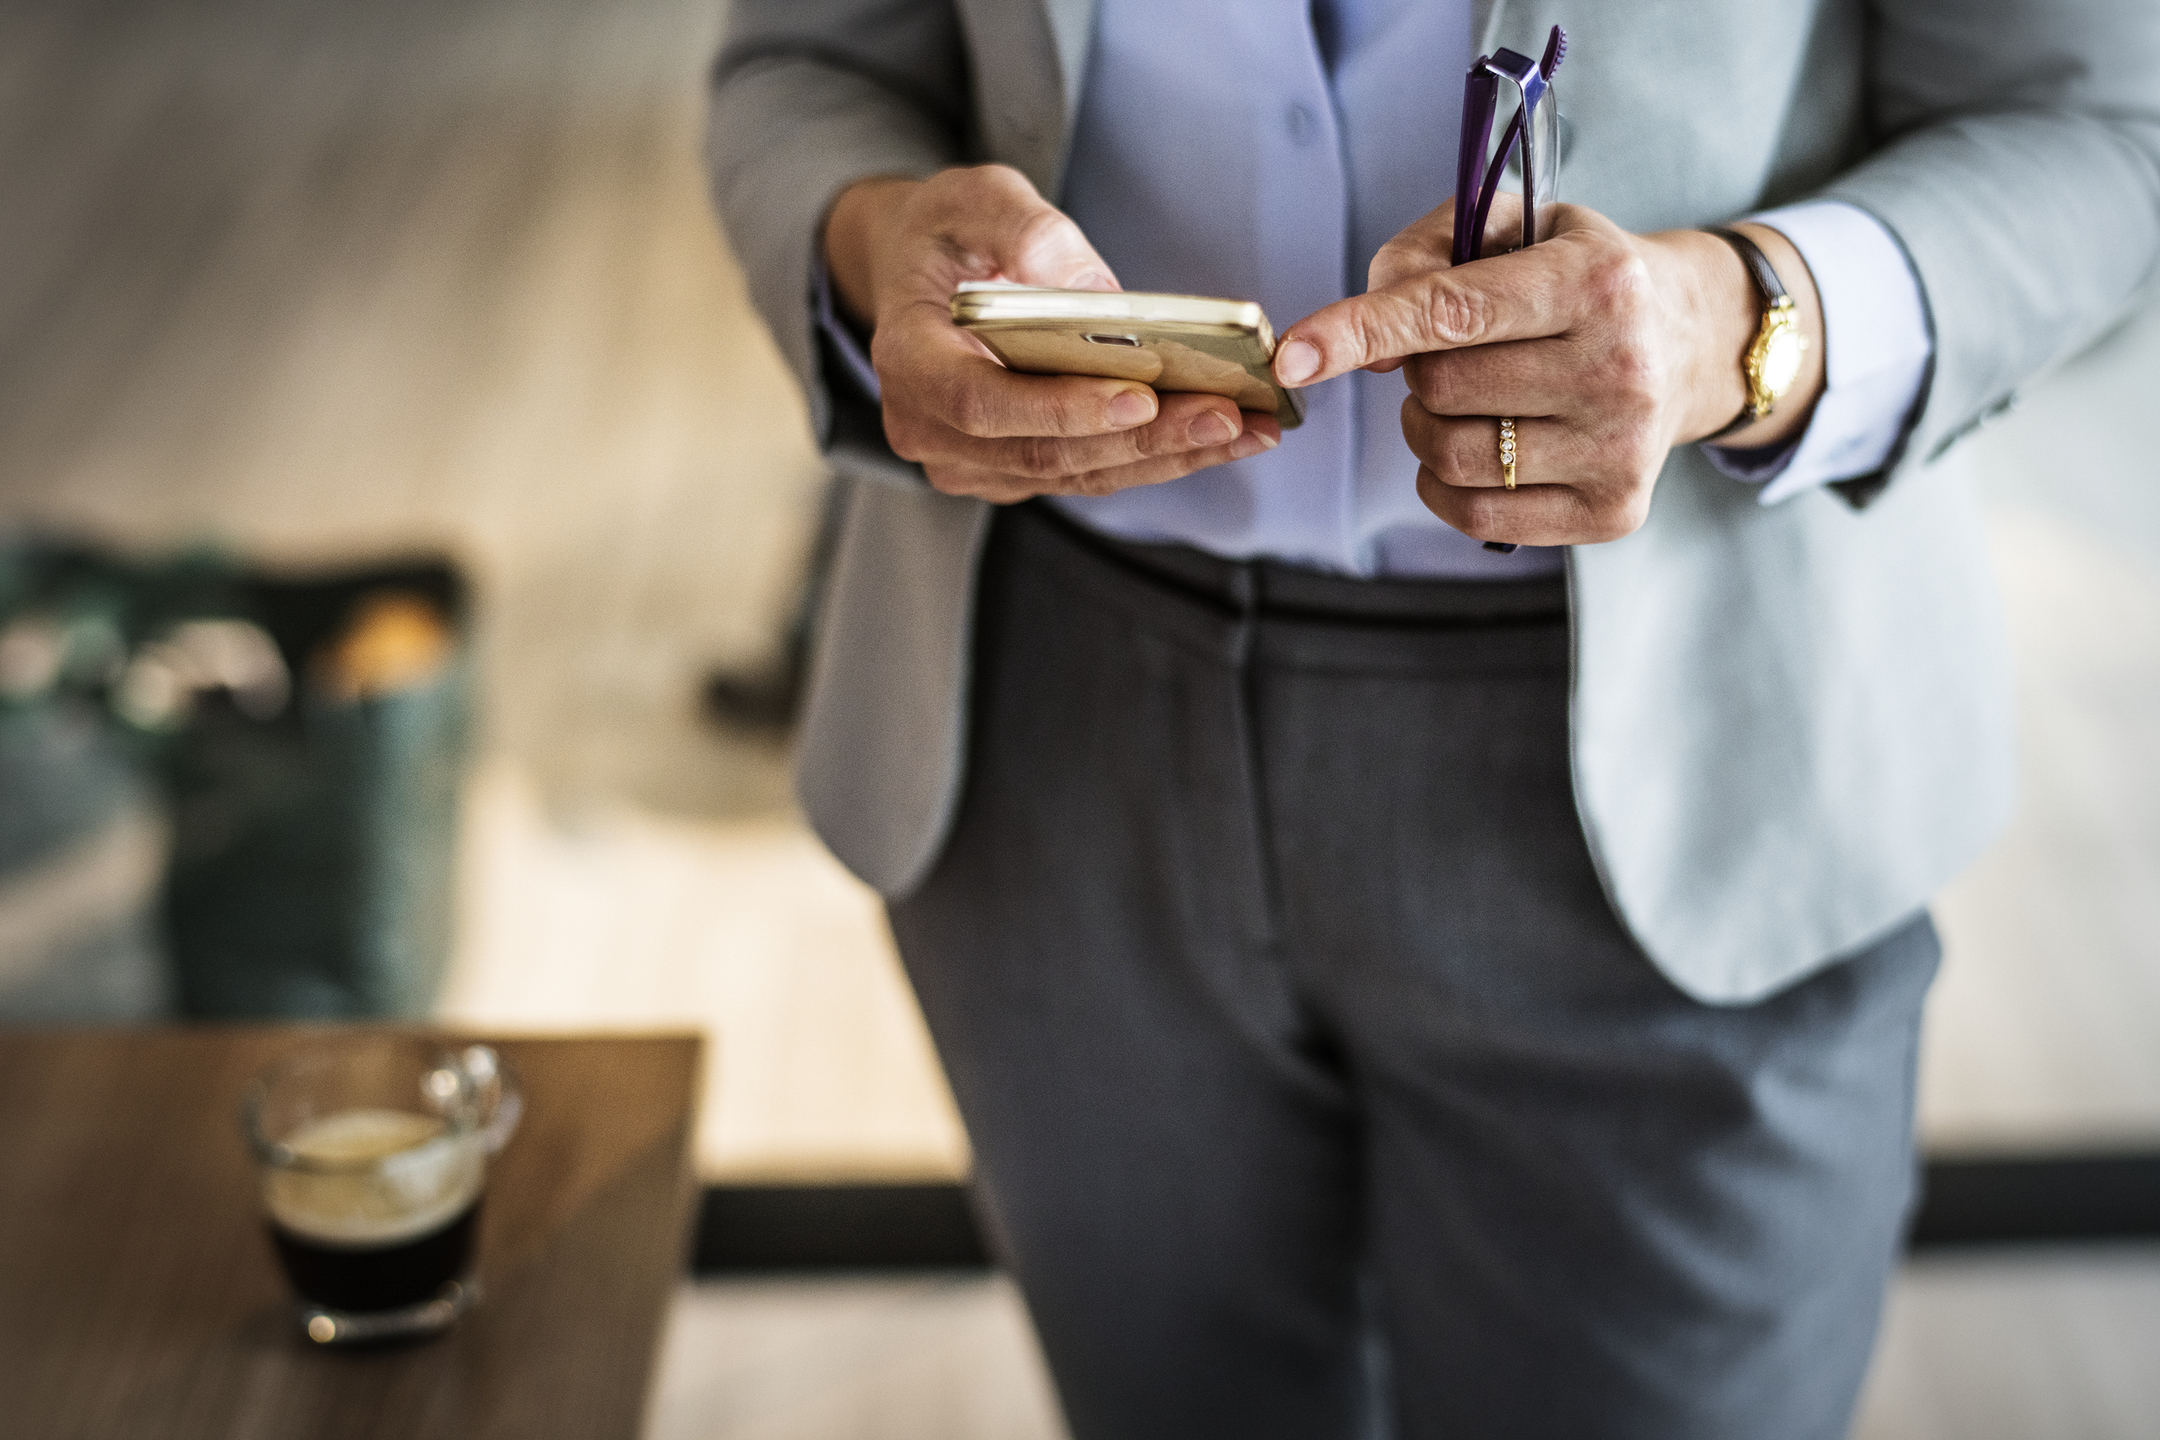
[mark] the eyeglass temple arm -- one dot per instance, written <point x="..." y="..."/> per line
<point x="1509" y="138"/>
<point x="1480" y="91"/>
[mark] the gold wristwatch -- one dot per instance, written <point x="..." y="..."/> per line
<point x="1772" y="361"/>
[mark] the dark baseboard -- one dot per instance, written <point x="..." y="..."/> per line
<point x="836" y="1227"/>
<point x="2026" y="1200"/>
<point x="749" y="1228"/>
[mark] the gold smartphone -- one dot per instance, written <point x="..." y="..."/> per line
<point x="1172" y="342"/>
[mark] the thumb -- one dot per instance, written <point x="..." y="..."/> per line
<point x="1021" y="237"/>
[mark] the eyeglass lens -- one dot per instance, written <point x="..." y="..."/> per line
<point x="1533" y="170"/>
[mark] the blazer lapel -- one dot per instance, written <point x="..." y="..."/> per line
<point x="1031" y="57"/>
<point x="1072" y="30"/>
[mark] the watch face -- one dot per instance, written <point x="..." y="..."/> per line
<point x="1782" y="348"/>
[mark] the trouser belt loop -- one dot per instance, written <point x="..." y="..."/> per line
<point x="1244" y="586"/>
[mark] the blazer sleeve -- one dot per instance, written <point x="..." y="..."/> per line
<point x="809" y="96"/>
<point x="2018" y="163"/>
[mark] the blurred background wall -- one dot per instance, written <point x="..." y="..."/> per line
<point x="323" y="283"/>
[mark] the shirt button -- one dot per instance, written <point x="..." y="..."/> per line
<point x="1304" y="126"/>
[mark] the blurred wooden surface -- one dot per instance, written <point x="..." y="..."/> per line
<point x="139" y="1298"/>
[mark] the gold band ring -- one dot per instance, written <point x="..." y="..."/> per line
<point x="1507" y="453"/>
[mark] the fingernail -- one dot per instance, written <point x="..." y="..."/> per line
<point x="1212" y="429"/>
<point x="1296" y="362"/>
<point x="1252" y="443"/>
<point x="1132" y="407"/>
<point x="1093" y="280"/>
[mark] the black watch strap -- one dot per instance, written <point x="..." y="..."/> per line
<point x="1759" y="270"/>
<point x="1767" y="285"/>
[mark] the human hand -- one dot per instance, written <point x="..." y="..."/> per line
<point x="1607" y="348"/>
<point x="896" y="251"/>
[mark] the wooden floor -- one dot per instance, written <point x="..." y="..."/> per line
<point x="315" y="279"/>
<point x="930" y="1357"/>
<point x="2048" y="1345"/>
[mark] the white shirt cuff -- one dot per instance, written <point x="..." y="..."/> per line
<point x="1877" y="347"/>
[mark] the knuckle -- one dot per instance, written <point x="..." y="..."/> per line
<point x="1441" y="447"/>
<point x="1147" y="441"/>
<point x="1467" y="454"/>
<point x="997" y="175"/>
<point x="1038" y="236"/>
<point x="1631" y="378"/>
<point x="1433" y="380"/>
<point x="968" y="409"/>
<point x="1481" y="513"/>
<point x="909" y="437"/>
<point x="886" y="353"/>
<point x="1615" y="516"/>
<point x="1618" y="280"/>
<point x="1039" y="457"/>
<point x="1186" y="462"/>
<point x="1069" y="414"/>
<point x="1633" y="447"/>
<point x="1373" y="331"/>
<point x="959" y="185"/>
<point x="1457" y="314"/>
<point x="1391" y="262"/>
<point x="1421" y="431"/>
<point x="948" y="480"/>
<point x="1431" y="441"/>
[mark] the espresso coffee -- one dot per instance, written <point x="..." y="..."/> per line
<point x="380" y="1212"/>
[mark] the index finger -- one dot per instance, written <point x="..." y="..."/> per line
<point x="1519" y="296"/>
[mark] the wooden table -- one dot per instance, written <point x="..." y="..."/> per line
<point x="139" y="1297"/>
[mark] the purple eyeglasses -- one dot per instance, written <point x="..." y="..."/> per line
<point x="1535" y="130"/>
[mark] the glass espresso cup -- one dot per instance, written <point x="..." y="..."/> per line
<point x="373" y="1154"/>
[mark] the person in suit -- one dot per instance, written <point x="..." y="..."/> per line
<point x="1387" y="982"/>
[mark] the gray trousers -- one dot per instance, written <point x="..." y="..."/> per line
<point x="1307" y="1067"/>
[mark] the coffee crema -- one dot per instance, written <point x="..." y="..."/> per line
<point x="396" y="1175"/>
